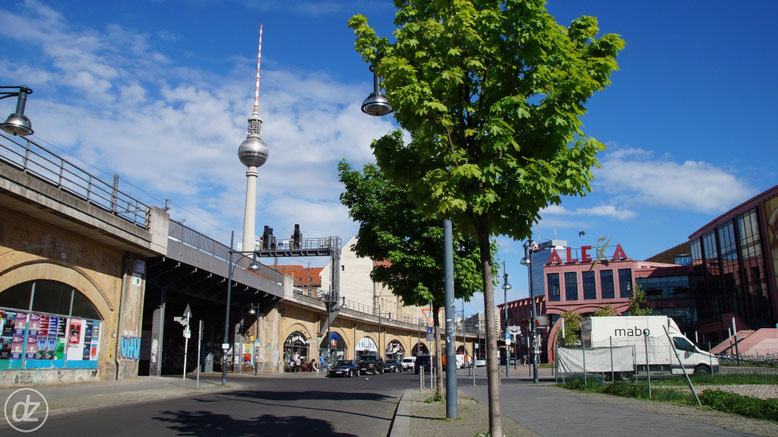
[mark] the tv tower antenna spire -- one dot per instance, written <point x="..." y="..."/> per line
<point x="252" y="153"/>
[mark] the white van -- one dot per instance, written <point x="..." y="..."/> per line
<point x="630" y="336"/>
<point x="408" y="363"/>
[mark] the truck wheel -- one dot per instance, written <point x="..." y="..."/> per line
<point x="624" y="376"/>
<point x="702" y="369"/>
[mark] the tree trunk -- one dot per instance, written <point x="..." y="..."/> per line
<point x="438" y="363"/>
<point x="492" y="363"/>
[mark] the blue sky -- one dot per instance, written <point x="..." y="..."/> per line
<point x="159" y="92"/>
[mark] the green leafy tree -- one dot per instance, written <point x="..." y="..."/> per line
<point x="637" y="302"/>
<point x="492" y="94"/>
<point x="406" y="245"/>
<point x="572" y="328"/>
<point x="606" y="311"/>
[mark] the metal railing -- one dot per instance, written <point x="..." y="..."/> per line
<point x="189" y="237"/>
<point x="36" y="160"/>
<point x="352" y="305"/>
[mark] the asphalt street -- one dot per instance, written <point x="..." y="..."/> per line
<point x="290" y="405"/>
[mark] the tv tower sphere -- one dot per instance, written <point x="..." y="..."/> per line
<point x="253" y="151"/>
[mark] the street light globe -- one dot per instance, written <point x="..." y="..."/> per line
<point x="376" y="104"/>
<point x="17" y="124"/>
<point x="506" y="286"/>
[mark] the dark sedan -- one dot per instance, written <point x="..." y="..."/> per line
<point x="345" y="368"/>
<point x="371" y="363"/>
<point x="393" y="366"/>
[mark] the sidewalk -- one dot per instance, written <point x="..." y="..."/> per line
<point x="86" y="396"/>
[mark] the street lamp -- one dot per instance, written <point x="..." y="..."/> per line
<point x="505" y="287"/>
<point x="17" y="123"/>
<point x="376" y="104"/>
<point x="380" y="350"/>
<point x="230" y="267"/>
<point x="254" y="311"/>
<point x="529" y="247"/>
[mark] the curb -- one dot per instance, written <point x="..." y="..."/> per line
<point x="401" y="422"/>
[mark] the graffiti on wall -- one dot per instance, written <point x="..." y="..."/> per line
<point x="130" y="348"/>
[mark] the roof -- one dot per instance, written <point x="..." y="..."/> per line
<point x="302" y="276"/>
<point x="743" y="207"/>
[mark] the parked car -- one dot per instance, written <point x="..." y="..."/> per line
<point x="393" y="366"/>
<point x="407" y="363"/>
<point x="371" y="363"/>
<point x="424" y="362"/>
<point x="345" y="368"/>
<point x="480" y="362"/>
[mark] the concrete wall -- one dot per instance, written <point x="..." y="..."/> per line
<point x="33" y="250"/>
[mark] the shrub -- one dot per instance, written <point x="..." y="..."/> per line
<point x="577" y="383"/>
<point x="742" y="405"/>
<point x="628" y="389"/>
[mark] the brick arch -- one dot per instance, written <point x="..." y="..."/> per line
<point x="61" y="272"/>
<point x="370" y="336"/>
<point x="403" y="343"/>
<point x="422" y="342"/>
<point x="296" y="327"/>
<point x="342" y="333"/>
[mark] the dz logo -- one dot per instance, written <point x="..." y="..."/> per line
<point x="23" y="410"/>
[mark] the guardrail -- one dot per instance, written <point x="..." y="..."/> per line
<point x="36" y="160"/>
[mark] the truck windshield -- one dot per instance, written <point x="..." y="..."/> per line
<point x="683" y="344"/>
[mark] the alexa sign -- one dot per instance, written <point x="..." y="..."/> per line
<point x="586" y="255"/>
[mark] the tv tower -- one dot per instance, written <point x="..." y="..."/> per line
<point x="252" y="153"/>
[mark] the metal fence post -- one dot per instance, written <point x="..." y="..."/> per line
<point x="648" y="372"/>
<point x="613" y="374"/>
<point x="583" y="350"/>
<point x="710" y="355"/>
<point x="683" y="369"/>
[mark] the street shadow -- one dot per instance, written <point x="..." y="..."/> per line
<point x="287" y="399"/>
<point x="309" y="395"/>
<point x="206" y="423"/>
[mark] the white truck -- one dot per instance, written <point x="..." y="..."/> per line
<point x="617" y="346"/>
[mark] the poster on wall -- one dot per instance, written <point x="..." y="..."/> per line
<point x="7" y="323"/>
<point x="87" y="340"/>
<point x="76" y="340"/>
<point x="94" y="350"/>
<point x="32" y="336"/>
<point x="17" y="344"/>
<point x="59" y="338"/>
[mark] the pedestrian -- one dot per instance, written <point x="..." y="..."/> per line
<point x="296" y="360"/>
<point x="321" y="361"/>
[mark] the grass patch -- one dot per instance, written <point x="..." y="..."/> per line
<point x="437" y="397"/>
<point x="715" y="399"/>
<point x="766" y="409"/>
<point x="733" y="379"/>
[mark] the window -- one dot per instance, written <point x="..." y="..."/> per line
<point x="589" y="289"/>
<point x="571" y="286"/>
<point x="625" y="282"/>
<point x="683" y="344"/>
<point x="606" y="283"/>
<point x="553" y="286"/>
<point x="54" y="325"/>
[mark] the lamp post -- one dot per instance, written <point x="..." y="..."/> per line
<point x="505" y="287"/>
<point x="380" y="348"/>
<point x="230" y="267"/>
<point x="529" y="247"/>
<point x="17" y="123"/>
<point x="255" y="311"/>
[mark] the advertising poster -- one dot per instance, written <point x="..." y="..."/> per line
<point x="32" y="336"/>
<point x="95" y="349"/>
<point x="76" y="340"/>
<point x="7" y="322"/>
<point x="44" y="351"/>
<point x="17" y="344"/>
<point x="87" y="340"/>
<point x="59" y="338"/>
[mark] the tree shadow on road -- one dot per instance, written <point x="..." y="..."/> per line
<point x="206" y="423"/>
<point x="310" y="395"/>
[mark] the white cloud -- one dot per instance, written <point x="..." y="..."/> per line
<point x="597" y="211"/>
<point x="108" y="97"/>
<point x="636" y="174"/>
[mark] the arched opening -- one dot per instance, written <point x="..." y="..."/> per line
<point x="395" y="351"/>
<point x="47" y="324"/>
<point x="336" y="346"/>
<point x="420" y="349"/>
<point x="295" y="351"/>
<point x="366" y="346"/>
